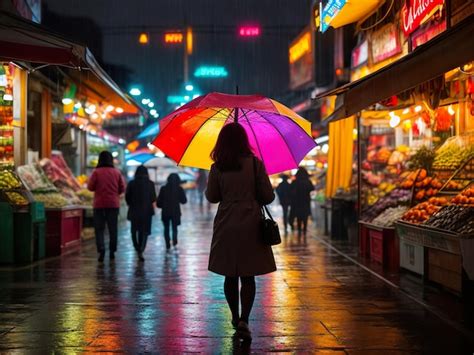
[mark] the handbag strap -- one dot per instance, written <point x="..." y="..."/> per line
<point x="264" y="207"/>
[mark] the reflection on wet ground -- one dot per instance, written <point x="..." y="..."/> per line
<point x="317" y="301"/>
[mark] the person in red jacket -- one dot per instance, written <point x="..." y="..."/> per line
<point x="107" y="184"/>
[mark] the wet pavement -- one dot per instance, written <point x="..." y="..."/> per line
<point x="319" y="301"/>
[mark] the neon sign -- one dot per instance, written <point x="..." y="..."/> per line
<point x="173" y="37"/>
<point x="300" y="47"/>
<point x="418" y="12"/>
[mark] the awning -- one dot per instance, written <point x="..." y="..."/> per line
<point x="25" y="41"/>
<point x="449" y="50"/>
<point x="96" y="89"/>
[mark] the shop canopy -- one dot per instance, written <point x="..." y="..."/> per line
<point x="22" y="40"/>
<point x="451" y="49"/>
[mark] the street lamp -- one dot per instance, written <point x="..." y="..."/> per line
<point x="145" y="101"/>
<point x="189" y="87"/>
<point x="151" y="104"/>
<point x="135" y="92"/>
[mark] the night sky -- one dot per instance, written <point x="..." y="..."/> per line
<point x="256" y="65"/>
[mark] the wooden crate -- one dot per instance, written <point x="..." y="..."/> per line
<point x="445" y="269"/>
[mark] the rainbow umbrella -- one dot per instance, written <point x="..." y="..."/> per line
<point x="279" y="137"/>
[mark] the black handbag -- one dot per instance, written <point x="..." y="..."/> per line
<point x="270" y="231"/>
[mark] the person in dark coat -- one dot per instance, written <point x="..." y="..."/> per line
<point x="201" y="183"/>
<point x="169" y="199"/>
<point x="301" y="199"/>
<point x="239" y="183"/>
<point x="107" y="183"/>
<point x="140" y="197"/>
<point x="283" y="192"/>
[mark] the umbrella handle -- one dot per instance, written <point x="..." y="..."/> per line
<point x="236" y="110"/>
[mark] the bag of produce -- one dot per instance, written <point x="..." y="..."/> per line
<point x="57" y="158"/>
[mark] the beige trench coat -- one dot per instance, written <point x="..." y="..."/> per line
<point x="237" y="248"/>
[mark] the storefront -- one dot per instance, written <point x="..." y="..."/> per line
<point x="41" y="200"/>
<point x="414" y="117"/>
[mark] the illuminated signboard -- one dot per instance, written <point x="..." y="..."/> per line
<point x="300" y="47"/>
<point x="211" y="72"/>
<point x="173" y="37"/>
<point x="249" y="31"/>
<point x="329" y="12"/>
<point x="417" y="12"/>
<point x="301" y="60"/>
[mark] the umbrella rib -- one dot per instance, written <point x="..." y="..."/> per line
<point x="195" y="133"/>
<point x="281" y="135"/>
<point x="253" y="132"/>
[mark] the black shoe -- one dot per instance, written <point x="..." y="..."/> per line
<point x="243" y="331"/>
<point x="101" y="256"/>
<point x="235" y="323"/>
<point x="112" y="255"/>
<point x="140" y="257"/>
<point x="175" y="242"/>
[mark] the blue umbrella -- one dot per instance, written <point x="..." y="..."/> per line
<point x="141" y="158"/>
<point x="151" y="130"/>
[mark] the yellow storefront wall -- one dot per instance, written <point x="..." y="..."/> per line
<point x="340" y="155"/>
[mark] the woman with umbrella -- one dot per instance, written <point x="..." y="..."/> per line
<point x="140" y="197"/>
<point x="239" y="182"/>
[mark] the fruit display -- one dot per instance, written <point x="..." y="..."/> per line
<point x="61" y="181"/>
<point x="453" y="153"/>
<point x="388" y="217"/>
<point x="6" y="115"/>
<point x="395" y="198"/>
<point x="16" y="198"/>
<point x="454" y="218"/>
<point x="51" y="199"/>
<point x="82" y="180"/>
<point x="35" y="179"/>
<point x="465" y="198"/>
<point x="422" y="159"/>
<point x="86" y="197"/>
<point x="8" y="180"/>
<point x="422" y="211"/>
<point x="58" y="159"/>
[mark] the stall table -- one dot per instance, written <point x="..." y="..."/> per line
<point x="446" y="260"/>
<point x="63" y="228"/>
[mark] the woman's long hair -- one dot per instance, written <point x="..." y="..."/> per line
<point x="106" y="160"/>
<point x="232" y="144"/>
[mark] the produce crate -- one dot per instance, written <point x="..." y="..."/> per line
<point x="364" y="246"/>
<point x="383" y="245"/>
<point x="412" y="257"/>
<point x="63" y="229"/>
<point x="445" y="269"/>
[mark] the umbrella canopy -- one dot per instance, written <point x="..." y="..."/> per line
<point x="279" y="137"/>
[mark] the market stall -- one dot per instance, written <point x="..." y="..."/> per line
<point x="52" y="183"/>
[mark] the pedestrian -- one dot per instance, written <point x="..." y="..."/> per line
<point x="107" y="184"/>
<point x="201" y="183"/>
<point x="239" y="183"/>
<point x="169" y="199"/>
<point x="283" y="192"/>
<point x="141" y="198"/>
<point x="301" y="199"/>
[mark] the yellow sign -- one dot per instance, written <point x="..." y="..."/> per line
<point x="300" y="47"/>
<point x="174" y="37"/>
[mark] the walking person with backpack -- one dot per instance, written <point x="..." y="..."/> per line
<point x="140" y="197"/>
<point x="239" y="183"/>
<point x="169" y="199"/>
